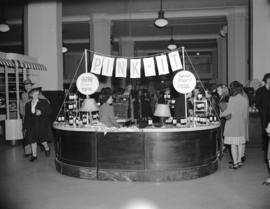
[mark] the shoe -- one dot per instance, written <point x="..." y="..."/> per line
<point x="47" y="153"/>
<point x="42" y="148"/>
<point x="234" y="166"/>
<point x="243" y="159"/>
<point x="33" y="158"/>
<point x="240" y="164"/>
<point x="230" y="162"/>
<point x="267" y="182"/>
<point x="27" y="155"/>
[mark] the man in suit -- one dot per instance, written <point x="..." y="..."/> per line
<point x="263" y="104"/>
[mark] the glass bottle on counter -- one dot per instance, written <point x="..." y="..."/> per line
<point x="71" y="120"/>
<point x="84" y="119"/>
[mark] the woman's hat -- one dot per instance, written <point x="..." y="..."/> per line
<point x="27" y="81"/>
<point x="35" y="88"/>
<point x="265" y="77"/>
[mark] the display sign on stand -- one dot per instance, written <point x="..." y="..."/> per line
<point x="87" y="84"/>
<point x="184" y="82"/>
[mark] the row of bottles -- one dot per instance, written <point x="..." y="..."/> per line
<point x="189" y="121"/>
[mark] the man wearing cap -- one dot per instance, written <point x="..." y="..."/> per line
<point x="24" y="99"/>
<point x="263" y="105"/>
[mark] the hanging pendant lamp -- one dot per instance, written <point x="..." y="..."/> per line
<point x="161" y="21"/>
<point x="4" y="27"/>
<point x="64" y="48"/>
<point x="172" y="44"/>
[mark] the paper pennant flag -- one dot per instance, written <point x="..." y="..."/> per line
<point x="135" y="68"/>
<point x="96" y="64"/>
<point x="175" y="61"/>
<point x="162" y="64"/>
<point x="149" y="67"/>
<point x="121" y="68"/>
<point x="107" y="66"/>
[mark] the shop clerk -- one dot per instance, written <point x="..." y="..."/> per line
<point x="106" y="112"/>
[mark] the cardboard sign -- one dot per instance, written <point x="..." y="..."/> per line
<point x="184" y="82"/>
<point x="87" y="83"/>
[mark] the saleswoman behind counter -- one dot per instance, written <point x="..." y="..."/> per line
<point x="106" y="112"/>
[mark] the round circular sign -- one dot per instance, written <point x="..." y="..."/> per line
<point x="87" y="83"/>
<point x="184" y="82"/>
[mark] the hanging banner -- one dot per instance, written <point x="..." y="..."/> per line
<point x="121" y="68"/>
<point x="149" y="67"/>
<point x="107" y="66"/>
<point x="87" y="83"/>
<point x="162" y="65"/>
<point x="135" y="68"/>
<point x="96" y="64"/>
<point x="175" y="61"/>
<point x="184" y="82"/>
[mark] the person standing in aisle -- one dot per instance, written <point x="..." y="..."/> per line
<point x="23" y="100"/>
<point x="243" y="158"/>
<point x="36" y="125"/>
<point x="234" y="131"/>
<point x="263" y="105"/>
<point x="267" y="181"/>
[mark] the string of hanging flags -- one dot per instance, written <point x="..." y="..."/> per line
<point x="123" y="67"/>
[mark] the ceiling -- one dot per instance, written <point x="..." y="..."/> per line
<point x="195" y="33"/>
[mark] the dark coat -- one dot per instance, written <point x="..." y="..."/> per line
<point x="37" y="128"/>
<point x="263" y="104"/>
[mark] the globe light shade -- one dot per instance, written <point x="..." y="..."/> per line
<point x="172" y="45"/>
<point x="64" y="49"/>
<point x="161" y="21"/>
<point x="4" y="27"/>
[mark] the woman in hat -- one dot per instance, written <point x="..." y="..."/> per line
<point x="28" y="84"/>
<point x="234" y="131"/>
<point x="106" y="113"/>
<point x="23" y="100"/>
<point x="36" y="123"/>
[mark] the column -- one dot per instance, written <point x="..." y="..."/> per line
<point x="222" y="60"/>
<point x="43" y="40"/>
<point x="126" y="48"/>
<point x="260" y="45"/>
<point x="100" y="41"/>
<point x="237" y="46"/>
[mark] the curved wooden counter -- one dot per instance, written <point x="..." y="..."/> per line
<point x="150" y="154"/>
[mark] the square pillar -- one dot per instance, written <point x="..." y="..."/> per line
<point x="222" y="60"/>
<point x="43" y="40"/>
<point x="260" y="46"/>
<point x="100" y="41"/>
<point x="237" y="46"/>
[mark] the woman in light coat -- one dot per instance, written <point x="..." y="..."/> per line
<point x="235" y="128"/>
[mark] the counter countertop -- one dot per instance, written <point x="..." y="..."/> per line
<point x="103" y="129"/>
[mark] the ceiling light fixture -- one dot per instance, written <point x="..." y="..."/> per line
<point x="4" y="27"/>
<point x="64" y="48"/>
<point x="161" y="21"/>
<point x="172" y="44"/>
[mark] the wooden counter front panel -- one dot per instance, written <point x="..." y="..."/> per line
<point x="121" y="151"/>
<point x="78" y="148"/>
<point x="178" y="150"/>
